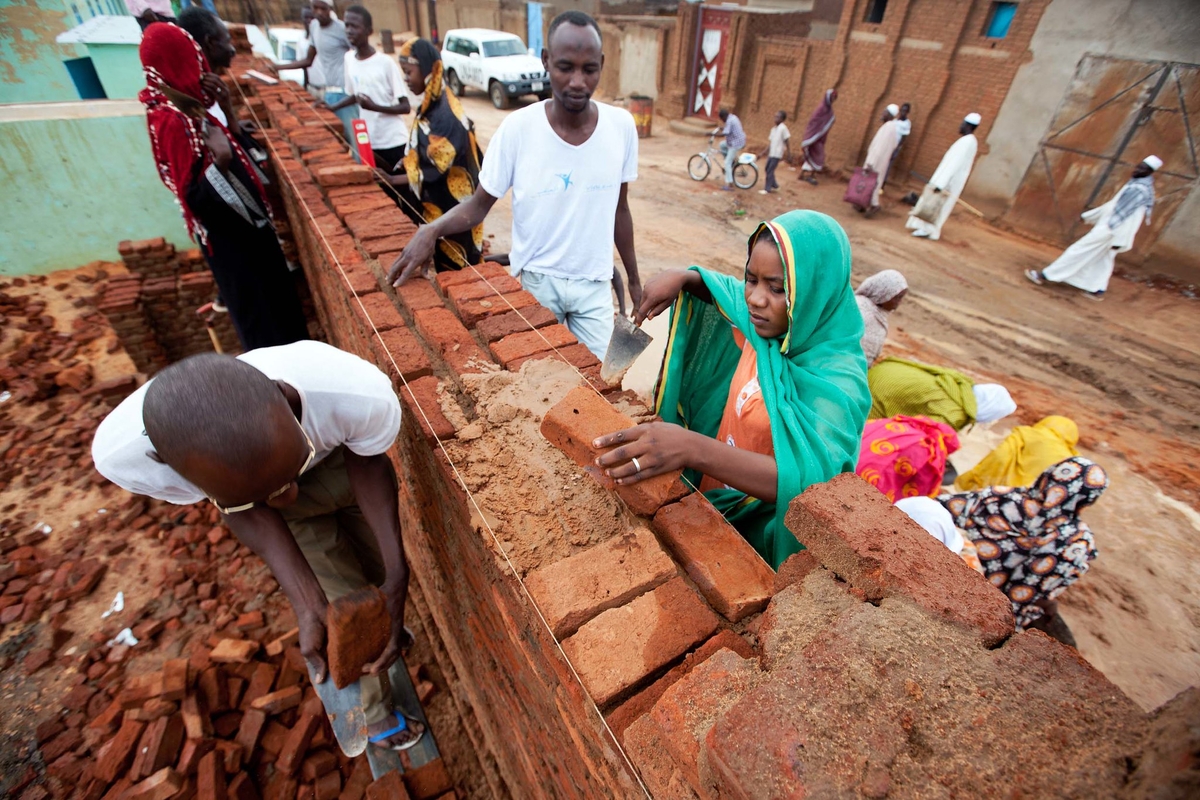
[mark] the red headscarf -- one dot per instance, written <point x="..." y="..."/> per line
<point x="173" y="63"/>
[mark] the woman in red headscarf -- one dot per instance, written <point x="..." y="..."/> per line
<point x="220" y="191"/>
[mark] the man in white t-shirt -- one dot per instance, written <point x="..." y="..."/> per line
<point x="289" y="443"/>
<point x="778" y="147"/>
<point x="375" y="83"/>
<point x="328" y="46"/>
<point x="569" y="162"/>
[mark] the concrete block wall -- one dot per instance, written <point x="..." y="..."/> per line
<point x="873" y="663"/>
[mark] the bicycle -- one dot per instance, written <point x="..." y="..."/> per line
<point x="745" y="173"/>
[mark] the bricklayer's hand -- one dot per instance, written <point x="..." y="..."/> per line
<point x="412" y="258"/>
<point x="312" y="644"/>
<point x="646" y="451"/>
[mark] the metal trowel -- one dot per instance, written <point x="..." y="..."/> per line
<point x="345" y="711"/>
<point x="627" y="343"/>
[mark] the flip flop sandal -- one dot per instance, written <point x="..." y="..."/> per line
<point x="403" y="726"/>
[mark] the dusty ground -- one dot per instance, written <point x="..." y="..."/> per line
<point x="1126" y="369"/>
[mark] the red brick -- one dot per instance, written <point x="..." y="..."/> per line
<point x="364" y="202"/>
<point x="388" y="787"/>
<point x="522" y="345"/>
<point x="358" y="627"/>
<point x="572" y="591"/>
<point x="234" y="651"/>
<point x="793" y="570"/>
<point x="317" y="764"/>
<point x="402" y="346"/>
<point x="618" y="649"/>
<point x="501" y="325"/>
<point x="686" y="711"/>
<point x="381" y="313"/>
<point x="329" y="177"/>
<point x="158" y="747"/>
<point x="853" y="530"/>
<point x="328" y="786"/>
<point x="472" y="311"/>
<point x="230" y="754"/>
<point x="663" y="777"/>
<point x="159" y="786"/>
<point x="429" y="780"/>
<point x="582" y="416"/>
<point x="194" y="710"/>
<point x="418" y="294"/>
<point x="261" y="681"/>
<point x="251" y="728"/>
<point x="483" y="287"/>
<point x="296" y="744"/>
<point x="280" y="701"/>
<point x="453" y="342"/>
<point x="343" y="248"/>
<point x="189" y="757"/>
<point x="392" y="244"/>
<point x="175" y="679"/>
<point x="210" y="777"/>
<point x="115" y="756"/>
<point x="379" y="223"/>
<point x="727" y="570"/>
<point x="577" y="355"/>
<point x="242" y="788"/>
<point x="621" y="717"/>
<point x="487" y="270"/>
<point x="420" y="399"/>
<point x="277" y="646"/>
<point x="360" y="279"/>
<point x="356" y="785"/>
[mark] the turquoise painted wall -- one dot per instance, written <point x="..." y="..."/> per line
<point x="77" y="184"/>
<point x="120" y="69"/>
<point x="31" y="68"/>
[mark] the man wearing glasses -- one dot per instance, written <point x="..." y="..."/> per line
<point x="289" y="443"/>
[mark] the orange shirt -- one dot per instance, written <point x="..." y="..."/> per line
<point x="745" y="423"/>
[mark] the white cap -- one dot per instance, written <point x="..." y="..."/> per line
<point x="973" y="118"/>
<point x="992" y="402"/>
<point x="1153" y="162"/>
<point x="893" y="109"/>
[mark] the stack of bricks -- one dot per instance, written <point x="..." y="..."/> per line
<point x="693" y="649"/>
<point x="153" y="309"/>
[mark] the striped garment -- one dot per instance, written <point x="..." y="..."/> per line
<point x="1135" y="194"/>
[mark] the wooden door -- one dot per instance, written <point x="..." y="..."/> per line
<point x="712" y="42"/>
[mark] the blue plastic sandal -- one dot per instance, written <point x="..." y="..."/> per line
<point x="403" y="726"/>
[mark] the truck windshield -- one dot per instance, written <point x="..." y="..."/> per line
<point x="503" y="47"/>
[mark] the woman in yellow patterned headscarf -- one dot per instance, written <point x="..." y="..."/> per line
<point x="1024" y="454"/>
<point x="441" y="166"/>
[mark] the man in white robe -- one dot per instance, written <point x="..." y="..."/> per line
<point x="879" y="154"/>
<point x="1088" y="264"/>
<point x="950" y="177"/>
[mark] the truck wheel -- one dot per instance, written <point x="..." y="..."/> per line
<point x="454" y="83"/>
<point x="500" y="98"/>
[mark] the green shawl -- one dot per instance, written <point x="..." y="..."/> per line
<point x="813" y="379"/>
<point x="921" y="390"/>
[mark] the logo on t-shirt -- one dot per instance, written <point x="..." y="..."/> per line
<point x="566" y="179"/>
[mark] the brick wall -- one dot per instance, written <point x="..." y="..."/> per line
<point x="874" y="662"/>
<point x="931" y="53"/>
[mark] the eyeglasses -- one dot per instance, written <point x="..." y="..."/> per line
<point x="312" y="453"/>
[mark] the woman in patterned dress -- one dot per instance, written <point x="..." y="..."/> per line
<point x="441" y="166"/>
<point x="1031" y="541"/>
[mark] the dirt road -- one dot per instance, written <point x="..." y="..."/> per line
<point x="1126" y="369"/>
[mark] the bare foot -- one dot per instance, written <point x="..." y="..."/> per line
<point x="409" y="736"/>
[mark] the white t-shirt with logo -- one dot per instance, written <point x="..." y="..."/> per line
<point x="344" y="401"/>
<point x="380" y="79"/>
<point x="564" y="196"/>
<point x="777" y="139"/>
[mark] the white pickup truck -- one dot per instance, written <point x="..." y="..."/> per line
<point x="494" y="61"/>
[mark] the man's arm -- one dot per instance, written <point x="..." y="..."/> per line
<point x="463" y="217"/>
<point x="623" y="234"/>
<point x="303" y="63"/>
<point x="263" y="530"/>
<point x="402" y="107"/>
<point x="373" y="480"/>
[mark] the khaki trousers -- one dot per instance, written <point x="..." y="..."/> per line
<point x="342" y="550"/>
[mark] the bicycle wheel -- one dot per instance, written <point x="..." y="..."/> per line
<point x="698" y="167"/>
<point x="745" y="176"/>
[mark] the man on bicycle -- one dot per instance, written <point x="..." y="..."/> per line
<point x="731" y="148"/>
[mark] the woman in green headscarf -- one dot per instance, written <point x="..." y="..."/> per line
<point x="763" y="389"/>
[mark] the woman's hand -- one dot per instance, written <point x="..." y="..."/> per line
<point x="658" y="447"/>
<point x="216" y="87"/>
<point x="218" y="144"/>
<point x="660" y="292"/>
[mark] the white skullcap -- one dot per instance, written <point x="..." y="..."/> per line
<point x="893" y="109"/>
<point x="933" y="517"/>
<point x="992" y="402"/>
<point x="973" y="118"/>
<point x="1153" y="162"/>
